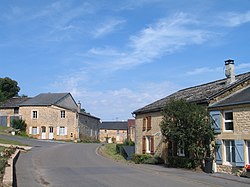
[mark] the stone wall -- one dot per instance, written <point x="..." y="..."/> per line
<point x="227" y="169"/>
<point x="50" y="116"/>
<point x="88" y="126"/>
<point x="108" y="135"/>
<point x="155" y="131"/>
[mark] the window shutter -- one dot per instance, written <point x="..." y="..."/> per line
<point x="66" y="131"/>
<point x="37" y="129"/>
<point x="215" y="120"/>
<point x="143" y="144"/>
<point x="144" y="124"/>
<point x="152" y="145"/>
<point x="239" y="153"/>
<point x="148" y="123"/>
<point x="57" y="130"/>
<point x="30" y="130"/>
<point x="218" y="153"/>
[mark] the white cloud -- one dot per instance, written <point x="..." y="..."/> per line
<point x="203" y="70"/>
<point x="243" y="66"/>
<point x="166" y="36"/>
<point x="108" y="27"/>
<point x="106" y="51"/>
<point x="234" y="19"/>
<point x="109" y="104"/>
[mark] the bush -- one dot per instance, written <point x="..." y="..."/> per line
<point x="140" y="158"/>
<point x="129" y="142"/>
<point x="181" y="162"/>
<point x="146" y="159"/>
<point x="19" y="124"/>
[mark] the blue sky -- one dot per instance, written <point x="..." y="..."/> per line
<point x="116" y="56"/>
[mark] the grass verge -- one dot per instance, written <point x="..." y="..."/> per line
<point x="12" y="142"/>
<point x="109" y="150"/>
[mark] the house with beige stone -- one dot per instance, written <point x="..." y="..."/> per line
<point x="113" y="131"/>
<point x="229" y="104"/>
<point x="52" y="116"/>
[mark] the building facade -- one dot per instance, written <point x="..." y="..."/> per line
<point x="52" y="116"/>
<point x="148" y="133"/>
<point x="113" y="131"/>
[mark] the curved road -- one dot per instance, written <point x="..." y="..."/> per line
<point x="72" y="165"/>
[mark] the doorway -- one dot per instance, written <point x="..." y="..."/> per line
<point x="51" y="133"/>
<point x="43" y="132"/>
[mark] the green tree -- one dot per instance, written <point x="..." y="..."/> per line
<point x="19" y="124"/>
<point x="187" y="125"/>
<point x="8" y="88"/>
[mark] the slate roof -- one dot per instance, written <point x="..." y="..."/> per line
<point x="114" y="125"/>
<point x="13" y="102"/>
<point x="44" y="99"/>
<point x="198" y="94"/>
<point x="241" y="97"/>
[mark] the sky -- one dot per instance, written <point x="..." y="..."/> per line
<point x="116" y="56"/>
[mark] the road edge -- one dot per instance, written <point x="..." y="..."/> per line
<point x="9" y="174"/>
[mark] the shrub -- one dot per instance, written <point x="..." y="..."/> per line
<point x="129" y="142"/>
<point x="140" y="158"/>
<point x="19" y="124"/>
<point x="181" y="162"/>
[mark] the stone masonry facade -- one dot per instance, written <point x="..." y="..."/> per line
<point x="50" y="117"/>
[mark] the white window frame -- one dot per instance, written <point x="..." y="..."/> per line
<point x="34" y="114"/>
<point x="148" y="144"/>
<point x="61" y="131"/>
<point x="34" y="130"/>
<point x="63" y="114"/>
<point x="228" y="121"/>
<point x="230" y="163"/>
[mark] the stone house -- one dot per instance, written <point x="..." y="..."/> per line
<point x="148" y="118"/>
<point x="232" y="125"/>
<point x="52" y="116"/>
<point x="113" y="131"/>
<point x="9" y="110"/>
<point x="131" y="129"/>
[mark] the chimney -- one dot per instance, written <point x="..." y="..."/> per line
<point x="79" y="106"/>
<point x="229" y="72"/>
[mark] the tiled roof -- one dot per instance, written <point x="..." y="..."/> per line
<point x="197" y="94"/>
<point x="241" y="97"/>
<point x="13" y="102"/>
<point x="44" y="99"/>
<point x="114" y="125"/>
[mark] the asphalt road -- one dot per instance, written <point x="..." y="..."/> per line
<point x="73" y="165"/>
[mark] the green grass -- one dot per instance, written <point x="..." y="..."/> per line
<point x="12" y="142"/>
<point x="4" y="129"/>
<point x="109" y="150"/>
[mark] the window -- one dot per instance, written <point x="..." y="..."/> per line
<point x="228" y="121"/>
<point x="16" y="110"/>
<point x="105" y="130"/>
<point x="63" y="114"/>
<point x="34" y="114"/>
<point x="62" y="131"/>
<point x="181" y="151"/>
<point x="34" y="130"/>
<point x="117" y="132"/>
<point x="146" y="123"/>
<point x="148" y="144"/>
<point x="230" y="150"/>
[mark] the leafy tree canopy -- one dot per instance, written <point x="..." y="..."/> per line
<point x="8" y="88"/>
<point x="188" y="124"/>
